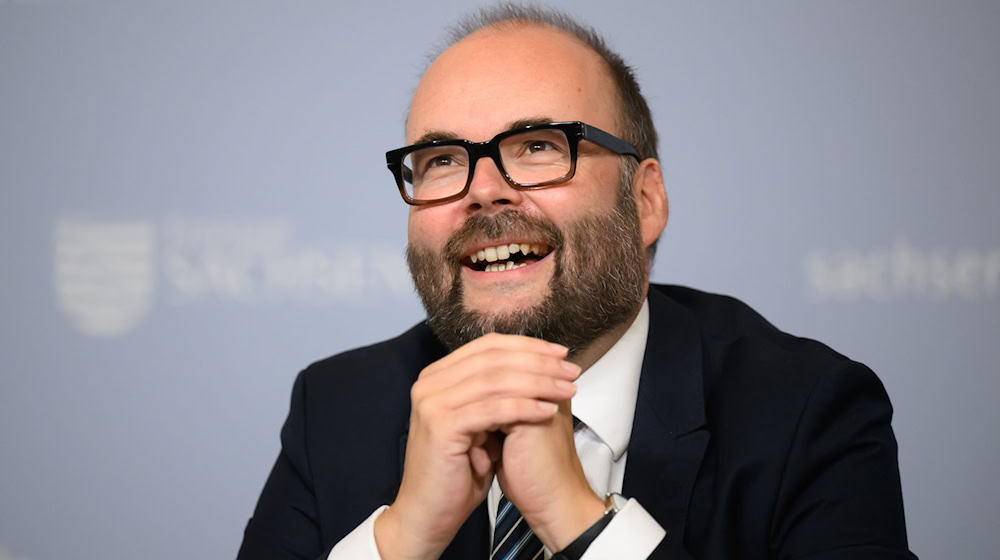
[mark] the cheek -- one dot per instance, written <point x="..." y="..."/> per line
<point x="595" y="185"/>
<point x="588" y="196"/>
<point x="426" y="228"/>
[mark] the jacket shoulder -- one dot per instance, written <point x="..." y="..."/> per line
<point x="751" y="370"/>
<point x="729" y="328"/>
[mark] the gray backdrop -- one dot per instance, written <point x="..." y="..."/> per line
<point x="195" y="206"/>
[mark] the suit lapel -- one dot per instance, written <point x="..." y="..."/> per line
<point x="669" y="436"/>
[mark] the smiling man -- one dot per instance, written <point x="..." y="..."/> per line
<point x="554" y="402"/>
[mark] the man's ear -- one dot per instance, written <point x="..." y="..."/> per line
<point x="650" y="199"/>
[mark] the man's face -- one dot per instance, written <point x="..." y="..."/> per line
<point x="585" y="270"/>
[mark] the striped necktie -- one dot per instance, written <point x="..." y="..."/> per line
<point x="513" y="539"/>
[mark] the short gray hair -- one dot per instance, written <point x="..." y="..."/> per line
<point x="634" y="116"/>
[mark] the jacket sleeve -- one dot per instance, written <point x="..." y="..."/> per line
<point x="284" y="524"/>
<point x="839" y="495"/>
<point x="836" y="494"/>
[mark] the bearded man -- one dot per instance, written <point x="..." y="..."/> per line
<point x="554" y="403"/>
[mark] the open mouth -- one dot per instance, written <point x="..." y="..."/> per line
<point x="507" y="256"/>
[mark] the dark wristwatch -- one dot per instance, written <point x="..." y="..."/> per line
<point x="613" y="503"/>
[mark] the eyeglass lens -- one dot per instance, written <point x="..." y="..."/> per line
<point x="529" y="158"/>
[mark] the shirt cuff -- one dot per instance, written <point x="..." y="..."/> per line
<point x="631" y="534"/>
<point x="359" y="544"/>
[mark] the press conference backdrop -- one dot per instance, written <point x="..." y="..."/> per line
<point x="195" y="206"/>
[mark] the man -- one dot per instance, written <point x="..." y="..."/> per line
<point x="694" y="429"/>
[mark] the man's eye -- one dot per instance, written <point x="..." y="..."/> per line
<point x="439" y="161"/>
<point x="538" y="146"/>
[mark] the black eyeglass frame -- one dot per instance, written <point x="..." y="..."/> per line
<point x="574" y="131"/>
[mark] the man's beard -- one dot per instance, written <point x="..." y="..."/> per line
<point x="596" y="286"/>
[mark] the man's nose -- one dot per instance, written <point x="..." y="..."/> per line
<point x="489" y="189"/>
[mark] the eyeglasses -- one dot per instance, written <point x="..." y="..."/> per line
<point x="533" y="157"/>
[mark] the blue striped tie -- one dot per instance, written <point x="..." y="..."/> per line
<point x="513" y="539"/>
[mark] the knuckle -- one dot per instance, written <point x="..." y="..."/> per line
<point x="490" y="338"/>
<point x="526" y="408"/>
<point x="425" y="409"/>
<point x="496" y="380"/>
<point x="544" y="384"/>
<point x="416" y="392"/>
<point x="547" y="362"/>
<point x="477" y="361"/>
<point x="491" y="356"/>
<point x="503" y="408"/>
<point x="536" y="362"/>
<point x="488" y="382"/>
<point x="510" y="383"/>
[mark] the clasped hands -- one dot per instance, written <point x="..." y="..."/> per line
<point x="509" y="384"/>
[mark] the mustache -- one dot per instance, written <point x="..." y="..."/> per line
<point x="509" y="223"/>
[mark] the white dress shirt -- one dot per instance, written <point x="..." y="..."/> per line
<point x="605" y="404"/>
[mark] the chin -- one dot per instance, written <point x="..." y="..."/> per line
<point x="504" y="307"/>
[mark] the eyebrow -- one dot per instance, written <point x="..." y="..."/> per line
<point x="438" y="135"/>
<point x="435" y="135"/>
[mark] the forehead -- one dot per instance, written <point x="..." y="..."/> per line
<point x="497" y="76"/>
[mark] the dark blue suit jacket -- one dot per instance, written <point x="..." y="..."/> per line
<point x="747" y="443"/>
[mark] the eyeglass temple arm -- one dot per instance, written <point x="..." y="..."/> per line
<point x="610" y="142"/>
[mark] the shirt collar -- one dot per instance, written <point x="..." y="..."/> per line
<point x="606" y="392"/>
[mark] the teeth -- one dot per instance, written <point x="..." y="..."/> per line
<point x="503" y="266"/>
<point x="503" y="252"/>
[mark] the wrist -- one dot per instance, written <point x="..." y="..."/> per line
<point x="576" y="549"/>
<point x="570" y="521"/>
<point x="386" y="528"/>
<point x="395" y="542"/>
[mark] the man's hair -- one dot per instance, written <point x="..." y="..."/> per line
<point x="634" y="117"/>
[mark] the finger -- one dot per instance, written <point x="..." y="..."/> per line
<point x="503" y="384"/>
<point x="490" y="415"/>
<point x="482" y="464"/>
<point x="493" y="360"/>
<point x="523" y="360"/>
<point x="479" y="439"/>
<point x="509" y="342"/>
